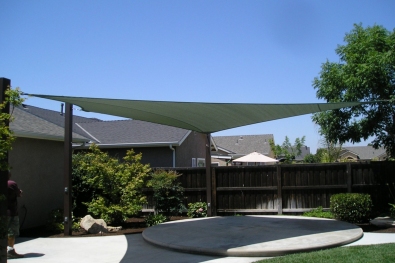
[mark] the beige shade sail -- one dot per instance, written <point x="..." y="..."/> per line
<point x="197" y="116"/>
<point x="255" y="157"/>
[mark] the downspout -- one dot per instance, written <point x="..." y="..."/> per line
<point x="174" y="155"/>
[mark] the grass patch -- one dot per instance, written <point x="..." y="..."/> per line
<point x="374" y="253"/>
<point x="319" y="212"/>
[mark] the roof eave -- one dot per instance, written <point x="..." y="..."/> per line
<point x="33" y="135"/>
<point x="134" y="145"/>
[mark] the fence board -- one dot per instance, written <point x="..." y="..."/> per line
<point x="299" y="187"/>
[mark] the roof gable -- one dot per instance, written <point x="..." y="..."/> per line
<point x="57" y="117"/>
<point x="28" y="125"/>
<point x="134" y="132"/>
<point x="364" y="152"/>
<point x="245" y="144"/>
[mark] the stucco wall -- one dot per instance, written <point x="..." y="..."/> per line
<point x="37" y="167"/>
<point x="193" y="147"/>
<point x="155" y="156"/>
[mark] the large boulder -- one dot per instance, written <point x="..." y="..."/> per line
<point x="93" y="226"/>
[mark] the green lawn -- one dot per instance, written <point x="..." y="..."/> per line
<point x="354" y="254"/>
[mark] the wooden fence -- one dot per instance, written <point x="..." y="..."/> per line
<point x="278" y="189"/>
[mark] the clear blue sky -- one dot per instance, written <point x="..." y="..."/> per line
<point x="208" y="51"/>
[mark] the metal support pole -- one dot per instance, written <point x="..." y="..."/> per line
<point x="4" y="85"/>
<point x="208" y="174"/>
<point x="68" y="127"/>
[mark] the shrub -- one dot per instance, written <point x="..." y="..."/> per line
<point x="351" y="207"/>
<point x="152" y="220"/>
<point x="198" y="209"/>
<point x="318" y="212"/>
<point x="55" y="222"/>
<point x="110" y="189"/>
<point x="392" y="210"/>
<point x="168" y="193"/>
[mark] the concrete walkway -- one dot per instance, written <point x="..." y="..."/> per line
<point x="133" y="248"/>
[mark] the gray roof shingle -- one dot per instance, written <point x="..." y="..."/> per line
<point x="245" y="144"/>
<point x="30" y="119"/>
<point x="365" y="152"/>
<point x="28" y="125"/>
<point x="133" y="131"/>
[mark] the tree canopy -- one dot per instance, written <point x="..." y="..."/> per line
<point x="287" y="150"/>
<point x="365" y="72"/>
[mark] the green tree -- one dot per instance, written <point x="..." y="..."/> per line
<point x="365" y="72"/>
<point x="287" y="150"/>
<point x="311" y="158"/>
<point x="329" y="153"/>
<point x="113" y="188"/>
<point x="168" y="192"/>
<point x="12" y="99"/>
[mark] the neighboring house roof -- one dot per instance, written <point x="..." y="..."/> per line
<point x="133" y="132"/>
<point x="244" y="144"/>
<point x="304" y="151"/>
<point x="363" y="152"/>
<point x="57" y="117"/>
<point x="28" y="125"/>
<point x="35" y="122"/>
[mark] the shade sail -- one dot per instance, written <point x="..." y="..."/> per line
<point x="197" y="116"/>
<point x="255" y="157"/>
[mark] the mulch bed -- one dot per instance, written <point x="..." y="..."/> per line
<point x="133" y="225"/>
<point x="137" y="225"/>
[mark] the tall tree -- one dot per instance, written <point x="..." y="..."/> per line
<point x="365" y="72"/>
<point x="287" y="150"/>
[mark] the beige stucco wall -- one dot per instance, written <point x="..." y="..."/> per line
<point x="37" y="167"/>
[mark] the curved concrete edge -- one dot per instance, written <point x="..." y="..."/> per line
<point x="274" y="248"/>
<point x="240" y="252"/>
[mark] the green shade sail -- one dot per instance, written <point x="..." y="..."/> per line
<point x="197" y="116"/>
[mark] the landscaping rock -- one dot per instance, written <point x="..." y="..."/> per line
<point x="93" y="226"/>
<point x="383" y="222"/>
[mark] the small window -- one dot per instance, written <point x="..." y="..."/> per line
<point x="201" y="162"/>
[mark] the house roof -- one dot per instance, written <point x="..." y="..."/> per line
<point x="37" y="122"/>
<point x="364" y="152"/>
<point x="28" y="125"/>
<point x="244" y="144"/>
<point x="57" y="118"/>
<point x="134" y="132"/>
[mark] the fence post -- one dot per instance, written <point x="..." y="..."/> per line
<point x="208" y="174"/>
<point x="4" y="84"/>
<point x="349" y="178"/>
<point x="68" y="187"/>
<point x="214" y="192"/>
<point x="279" y="191"/>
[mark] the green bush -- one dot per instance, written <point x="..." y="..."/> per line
<point x="198" y="209"/>
<point x="153" y="220"/>
<point x="168" y="193"/>
<point x="318" y="212"/>
<point x="55" y="222"/>
<point x="392" y="210"/>
<point x="351" y="207"/>
<point x="109" y="188"/>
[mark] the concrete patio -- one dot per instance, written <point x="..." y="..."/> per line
<point x="287" y="236"/>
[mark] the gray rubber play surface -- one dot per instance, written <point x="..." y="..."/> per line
<point x="252" y="236"/>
